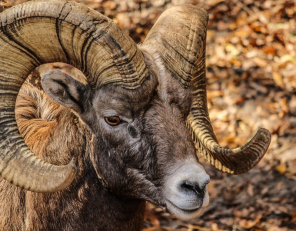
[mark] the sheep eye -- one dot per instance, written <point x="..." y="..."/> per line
<point x="113" y="121"/>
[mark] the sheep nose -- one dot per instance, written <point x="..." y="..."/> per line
<point x="189" y="187"/>
<point x="186" y="187"/>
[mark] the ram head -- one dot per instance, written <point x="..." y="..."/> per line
<point x="146" y="105"/>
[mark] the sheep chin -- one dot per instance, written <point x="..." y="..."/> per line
<point x="183" y="214"/>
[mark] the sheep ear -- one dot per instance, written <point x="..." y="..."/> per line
<point x="65" y="90"/>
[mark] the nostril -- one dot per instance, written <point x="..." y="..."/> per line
<point x="193" y="187"/>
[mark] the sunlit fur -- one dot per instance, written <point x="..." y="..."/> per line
<point x="133" y="158"/>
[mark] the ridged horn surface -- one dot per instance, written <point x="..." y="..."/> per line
<point x="179" y="39"/>
<point x="39" y="32"/>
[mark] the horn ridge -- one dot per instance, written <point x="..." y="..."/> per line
<point x="42" y="31"/>
<point x="176" y="38"/>
<point x="179" y="39"/>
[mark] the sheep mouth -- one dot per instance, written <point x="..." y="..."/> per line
<point x="181" y="213"/>
<point x="185" y="210"/>
<point x="189" y="211"/>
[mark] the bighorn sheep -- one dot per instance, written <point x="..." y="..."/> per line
<point x="129" y="135"/>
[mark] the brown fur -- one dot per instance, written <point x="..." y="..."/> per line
<point x="83" y="206"/>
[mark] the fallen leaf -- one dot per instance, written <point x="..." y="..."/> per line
<point x="260" y="62"/>
<point x="281" y="168"/>
<point x="278" y="79"/>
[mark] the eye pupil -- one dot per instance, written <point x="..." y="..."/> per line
<point x="113" y="121"/>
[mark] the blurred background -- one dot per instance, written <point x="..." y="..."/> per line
<point x="251" y="71"/>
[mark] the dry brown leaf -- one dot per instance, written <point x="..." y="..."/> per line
<point x="278" y="79"/>
<point x="269" y="51"/>
<point x="281" y="168"/>
<point x="260" y="62"/>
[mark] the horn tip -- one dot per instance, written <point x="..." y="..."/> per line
<point x="264" y="134"/>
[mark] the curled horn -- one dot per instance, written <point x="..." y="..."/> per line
<point x="179" y="38"/>
<point x="39" y="32"/>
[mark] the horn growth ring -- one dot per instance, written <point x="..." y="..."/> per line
<point x="38" y="32"/>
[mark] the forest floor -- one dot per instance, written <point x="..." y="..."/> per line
<point x="251" y="71"/>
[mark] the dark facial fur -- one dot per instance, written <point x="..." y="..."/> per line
<point x="134" y="156"/>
